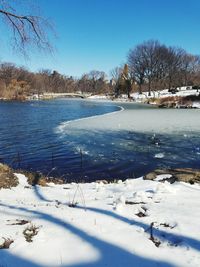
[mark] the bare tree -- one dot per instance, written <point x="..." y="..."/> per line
<point x="173" y="66"/>
<point x="137" y="65"/>
<point x="156" y="65"/>
<point x="83" y="84"/>
<point x="27" y="30"/>
<point x="7" y="72"/>
<point x="116" y="73"/>
<point x="97" y="79"/>
<point x="116" y="81"/>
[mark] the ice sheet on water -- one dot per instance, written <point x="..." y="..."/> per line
<point x="132" y="142"/>
<point x="140" y="120"/>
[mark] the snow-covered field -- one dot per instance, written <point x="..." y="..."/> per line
<point x="109" y="224"/>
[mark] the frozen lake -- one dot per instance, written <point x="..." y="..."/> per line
<point x="88" y="140"/>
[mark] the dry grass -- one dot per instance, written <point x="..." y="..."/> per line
<point x="6" y="244"/>
<point x="175" y="101"/>
<point x="30" y="231"/>
<point x="7" y="177"/>
<point x="35" y="178"/>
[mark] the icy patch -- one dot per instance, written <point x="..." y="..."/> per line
<point x="159" y="156"/>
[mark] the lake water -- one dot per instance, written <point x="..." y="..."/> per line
<point x="66" y="138"/>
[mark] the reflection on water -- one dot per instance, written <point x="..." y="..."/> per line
<point x="35" y="136"/>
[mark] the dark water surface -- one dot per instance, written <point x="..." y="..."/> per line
<point x="29" y="140"/>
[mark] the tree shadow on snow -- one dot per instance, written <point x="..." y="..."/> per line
<point x="110" y="254"/>
<point x="172" y="238"/>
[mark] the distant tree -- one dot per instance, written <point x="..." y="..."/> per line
<point x="7" y="72"/>
<point x="122" y="80"/>
<point x="116" y="73"/>
<point x="173" y="66"/>
<point x="97" y="79"/>
<point x="116" y="82"/>
<point x="137" y="65"/>
<point x="83" y="84"/>
<point x="149" y="52"/>
<point x="119" y="86"/>
<point x="157" y="66"/>
<point x="127" y="80"/>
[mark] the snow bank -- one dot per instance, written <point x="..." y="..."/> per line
<point x="108" y="225"/>
<point x="182" y="91"/>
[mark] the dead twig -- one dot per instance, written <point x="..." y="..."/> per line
<point x="19" y="222"/>
<point x="152" y="238"/>
<point x="134" y="203"/>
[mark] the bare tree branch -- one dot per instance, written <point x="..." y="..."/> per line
<point x="29" y="31"/>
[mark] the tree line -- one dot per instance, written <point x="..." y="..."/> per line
<point x="150" y="66"/>
<point x="155" y="66"/>
<point x="17" y="82"/>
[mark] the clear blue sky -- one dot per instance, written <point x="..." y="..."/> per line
<point x="97" y="34"/>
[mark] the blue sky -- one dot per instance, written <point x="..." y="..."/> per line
<point x="97" y="34"/>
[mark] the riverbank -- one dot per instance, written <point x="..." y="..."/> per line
<point x="136" y="222"/>
<point x="182" y="98"/>
<point x="8" y="178"/>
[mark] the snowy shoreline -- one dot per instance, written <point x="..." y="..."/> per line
<point x="157" y="98"/>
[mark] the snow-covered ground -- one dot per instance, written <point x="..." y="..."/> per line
<point x="182" y="91"/>
<point x="109" y="225"/>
